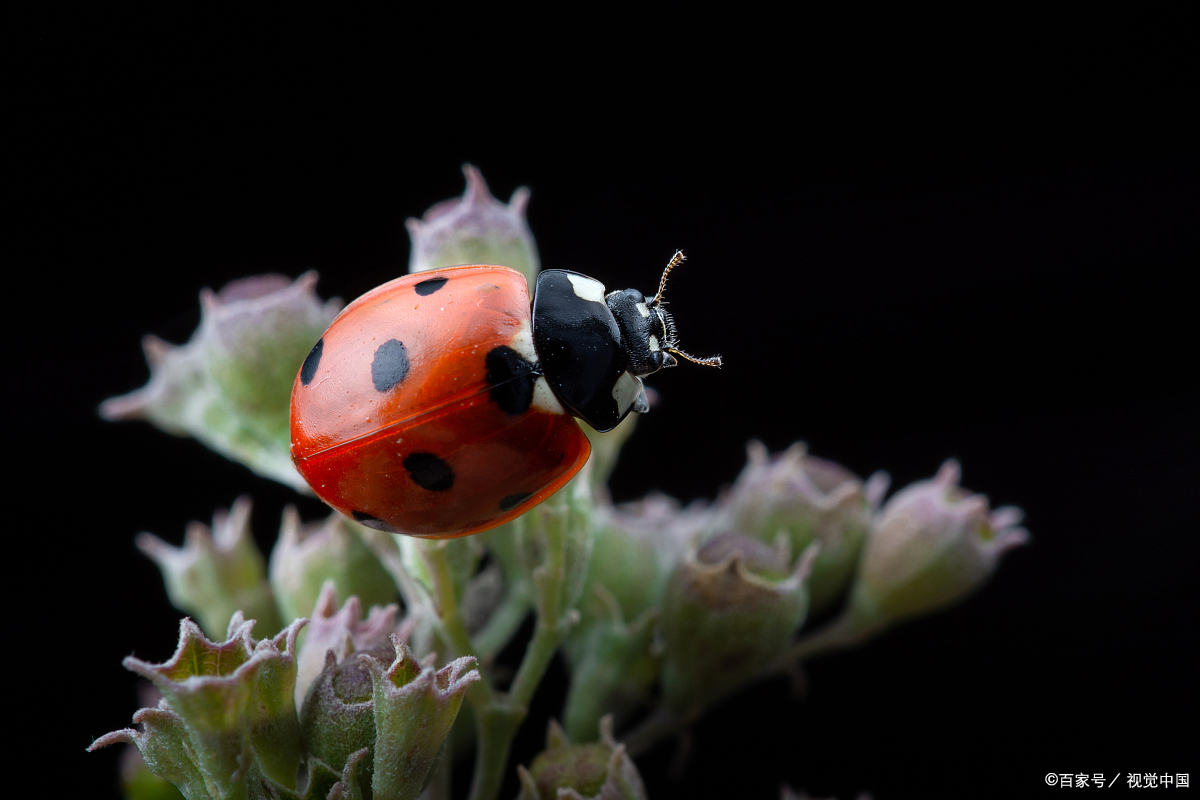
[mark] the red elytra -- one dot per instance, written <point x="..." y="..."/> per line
<point x="393" y="422"/>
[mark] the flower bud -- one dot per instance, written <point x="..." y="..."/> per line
<point x="337" y="718"/>
<point x="230" y="385"/>
<point x="216" y="573"/>
<point x="636" y="547"/>
<point x="596" y="771"/>
<point x="930" y="546"/>
<point x="612" y="669"/>
<point x="342" y="631"/>
<point x="306" y="556"/>
<point x="474" y="229"/>
<point x="223" y="705"/>
<point x="810" y="500"/>
<point x="731" y="606"/>
<point x="401" y="712"/>
<point x="933" y="544"/>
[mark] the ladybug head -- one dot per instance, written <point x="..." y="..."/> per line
<point x="647" y="329"/>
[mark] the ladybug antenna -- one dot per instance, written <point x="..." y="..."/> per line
<point x="676" y="260"/>
<point x="710" y="361"/>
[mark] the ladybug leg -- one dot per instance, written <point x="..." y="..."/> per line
<point x="641" y="405"/>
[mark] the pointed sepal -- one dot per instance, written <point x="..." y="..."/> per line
<point x="218" y="571"/>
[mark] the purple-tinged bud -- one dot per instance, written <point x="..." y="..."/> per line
<point x="810" y="500"/>
<point x="217" y="572"/>
<point x="932" y="544"/>
<point x="342" y="631"/>
<point x="401" y="712"/>
<point x="307" y="555"/>
<point x="731" y="607"/>
<point x="596" y="771"/>
<point x="474" y="229"/>
<point x="230" y="385"/>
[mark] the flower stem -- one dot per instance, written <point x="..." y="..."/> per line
<point x="497" y="721"/>
<point x="501" y="625"/>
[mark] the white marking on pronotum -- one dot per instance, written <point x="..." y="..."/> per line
<point x="587" y="288"/>
<point x="544" y="399"/>
<point x="645" y="312"/>
<point x="626" y="391"/>
<point x="653" y="343"/>
<point x="522" y="342"/>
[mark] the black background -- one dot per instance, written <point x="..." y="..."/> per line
<point x="911" y="239"/>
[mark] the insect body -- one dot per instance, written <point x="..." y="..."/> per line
<point x="440" y="404"/>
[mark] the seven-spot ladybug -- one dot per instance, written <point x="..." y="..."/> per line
<point x="440" y="404"/>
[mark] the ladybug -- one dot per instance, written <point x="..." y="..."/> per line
<point x="440" y="404"/>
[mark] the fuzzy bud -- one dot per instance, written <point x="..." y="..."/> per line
<point x="217" y="572"/>
<point x="226" y="707"/>
<point x="475" y="229"/>
<point x="342" y="631"/>
<point x="731" y="607"/>
<point x="401" y="712"/>
<point x="306" y="556"/>
<point x="933" y="544"/>
<point x="595" y="771"/>
<point x="810" y="500"/>
<point x="230" y="385"/>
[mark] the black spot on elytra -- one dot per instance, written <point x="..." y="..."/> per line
<point x="373" y="522"/>
<point x="429" y="472"/>
<point x="311" y="362"/>
<point x="426" y="288"/>
<point x="390" y="364"/>
<point x="512" y="378"/>
<point x="514" y="500"/>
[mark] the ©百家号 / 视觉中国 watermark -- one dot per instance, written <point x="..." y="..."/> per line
<point x="1133" y="780"/>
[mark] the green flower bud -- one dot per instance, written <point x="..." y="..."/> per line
<point x="474" y="229"/>
<point x="413" y="715"/>
<point x="612" y="671"/>
<point x="342" y="631"/>
<point x="810" y="500"/>
<point x="401" y="713"/>
<point x="731" y="607"/>
<point x="306" y="556"/>
<point x="596" y="771"/>
<point x="217" y="572"/>
<point x="338" y="715"/>
<point x="930" y="546"/>
<point x="224" y="706"/>
<point x="230" y="385"/>
<point x="636" y="547"/>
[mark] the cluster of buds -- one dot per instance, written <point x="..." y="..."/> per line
<point x="656" y="607"/>
<point x="228" y="724"/>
